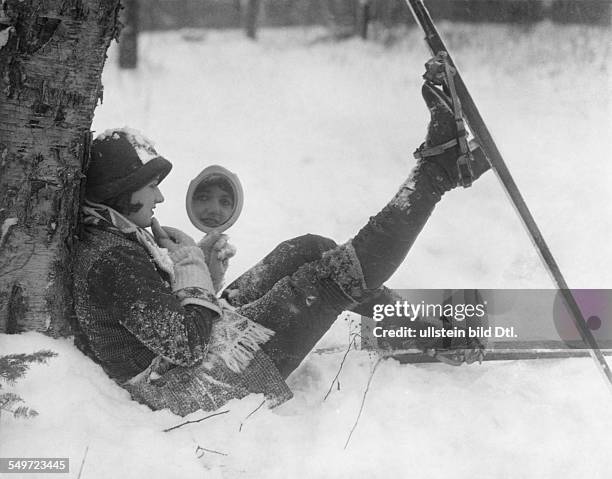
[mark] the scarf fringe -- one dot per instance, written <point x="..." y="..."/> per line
<point x="235" y="339"/>
<point x="238" y="355"/>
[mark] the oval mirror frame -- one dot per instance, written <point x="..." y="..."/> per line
<point x="215" y="170"/>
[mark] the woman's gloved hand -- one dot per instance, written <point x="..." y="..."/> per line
<point x="217" y="252"/>
<point x="190" y="268"/>
<point x="170" y="238"/>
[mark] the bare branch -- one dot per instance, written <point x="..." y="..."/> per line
<point x="365" y="393"/>
<point x="83" y="462"/>
<point x="200" y="448"/>
<point x="250" y="414"/>
<point x="198" y="420"/>
<point x="352" y="339"/>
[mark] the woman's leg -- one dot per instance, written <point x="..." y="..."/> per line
<point x="284" y="260"/>
<point x="301" y="307"/>
<point x="297" y="329"/>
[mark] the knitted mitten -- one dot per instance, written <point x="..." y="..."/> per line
<point x="192" y="281"/>
<point x="217" y="252"/>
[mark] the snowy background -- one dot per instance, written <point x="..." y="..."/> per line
<point x="321" y="135"/>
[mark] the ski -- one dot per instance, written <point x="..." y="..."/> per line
<point x="484" y="138"/>
<point x="500" y="351"/>
<point x="508" y="351"/>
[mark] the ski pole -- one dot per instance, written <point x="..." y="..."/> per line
<point x="484" y="138"/>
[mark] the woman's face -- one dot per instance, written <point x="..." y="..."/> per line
<point x="148" y="196"/>
<point x="212" y="205"/>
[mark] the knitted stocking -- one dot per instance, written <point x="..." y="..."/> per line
<point x="383" y="243"/>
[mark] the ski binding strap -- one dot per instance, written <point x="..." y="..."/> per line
<point x="440" y="72"/>
<point x="423" y="152"/>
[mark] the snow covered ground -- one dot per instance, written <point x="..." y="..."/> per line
<point x="321" y="134"/>
<point x="524" y="419"/>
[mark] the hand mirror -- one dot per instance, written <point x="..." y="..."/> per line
<point x="214" y="199"/>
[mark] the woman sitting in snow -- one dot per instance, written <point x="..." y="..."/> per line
<point x="147" y="306"/>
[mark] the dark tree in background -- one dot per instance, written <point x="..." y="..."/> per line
<point x="51" y="58"/>
<point x="128" y="43"/>
<point x="363" y="18"/>
<point x="252" y="12"/>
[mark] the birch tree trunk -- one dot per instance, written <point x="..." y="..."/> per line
<point x="51" y="59"/>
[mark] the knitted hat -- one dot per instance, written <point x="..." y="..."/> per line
<point x="122" y="160"/>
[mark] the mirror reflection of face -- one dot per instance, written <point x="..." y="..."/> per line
<point x="213" y="205"/>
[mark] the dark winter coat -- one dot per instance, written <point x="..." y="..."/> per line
<point x="131" y="323"/>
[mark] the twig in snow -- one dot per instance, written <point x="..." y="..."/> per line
<point x="250" y="414"/>
<point x="365" y="393"/>
<point x="200" y="448"/>
<point x="83" y="462"/>
<point x="352" y="339"/>
<point x="193" y="422"/>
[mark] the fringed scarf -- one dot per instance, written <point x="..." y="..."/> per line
<point x="234" y="338"/>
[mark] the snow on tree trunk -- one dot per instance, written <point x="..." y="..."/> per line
<point x="51" y="59"/>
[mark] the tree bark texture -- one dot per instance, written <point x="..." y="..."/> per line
<point x="51" y="59"/>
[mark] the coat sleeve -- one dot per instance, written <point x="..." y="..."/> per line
<point x="126" y="283"/>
